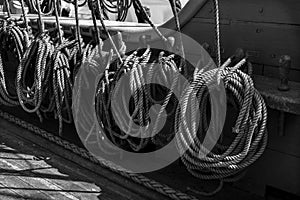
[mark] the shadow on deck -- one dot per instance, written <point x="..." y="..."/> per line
<point x="28" y="171"/>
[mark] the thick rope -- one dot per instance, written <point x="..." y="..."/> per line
<point x="249" y="131"/>
<point x="217" y="32"/>
<point x="107" y="32"/>
<point x="16" y="40"/>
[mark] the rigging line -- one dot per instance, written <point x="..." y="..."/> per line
<point x="177" y="22"/>
<point x="217" y="31"/>
<point x="57" y="22"/>
<point x="97" y="37"/>
<point x="107" y="32"/>
<point x="8" y="8"/>
<point x="77" y="26"/>
<point x="24" y="16"/>
<point x="141" y="8"/>
<point x="176" y="17"/>
<point x="41" y="23"/>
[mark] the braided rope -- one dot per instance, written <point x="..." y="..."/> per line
<point x="16" y="40"/>
<point x="250" y="128"/>
<point x="140" y="7"/>
<point x="217" y="32"/>
<point x="107" y="32"/>
<point x="35" y="58"/>
<point x="28" y="29"/>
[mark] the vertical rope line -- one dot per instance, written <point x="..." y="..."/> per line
<point x="77" y="26"/>
<point x="8" y="8"/>
<point x="108" y="34"/>
<point x="57" y="21"/>
<point x="140" y="6"/>
<point x="93" y="12"/>
<point x="97" y="35"/>
<point x="24" y="15"/>
<point x="176" y="17"/>
<point x="217" y="32"/>
<point x="42" y="28"/>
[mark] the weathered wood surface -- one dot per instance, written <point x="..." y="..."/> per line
<point x="264" y="42"/>
<point x="288" y="101"/>
<point x="63" y="176"/>
<point x="29" y="172"/>
<point x="265" y="29"/>
<point x="268" y="11"/>
<point x="112" y="185"/>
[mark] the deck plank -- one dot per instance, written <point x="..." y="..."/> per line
<point x="22" y="176"/>
<point x="12" y="135"/>
<point x="9" y="194"/>
<point x="42" y="188"/>
<point x="112" y="184"/>
<point x="40" y="168"/>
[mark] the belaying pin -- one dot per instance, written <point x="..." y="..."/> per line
<point x="284" y="68"/>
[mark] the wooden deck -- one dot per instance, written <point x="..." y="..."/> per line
<point x="33" y="168"/>
<point x="28" y="171"/>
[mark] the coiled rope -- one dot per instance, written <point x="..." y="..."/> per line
<point x="33" y="73"/>
<point x="16" y="40"/>
<point x="250" y="135"/>
<point x="65" y="59"/>
<point x="133" y="66"/>
<point x="217" y="32"/>
<point x="33" y="70"/>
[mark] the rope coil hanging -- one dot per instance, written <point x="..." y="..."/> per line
<point x="142" y="100"/>
<point x="33" y="71"/>
<point x="45" y="74"/>
<point x="249" y="132"/>
<point x="16" y="40"/>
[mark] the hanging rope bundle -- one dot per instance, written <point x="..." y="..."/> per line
<point x="139" y="68"/>
<point x="90" y="49"/>
<point x="65" y="59"/>
<point x="133" y="67"/>
<point x="14" y="41"/>
<point x="32" y="76"/>
<point x="34" y="90"/>
<point x="33" y="73"/>
<point x="62" y="82"/>
<point x="76" y="47"/>
<point x="250" y="135"/>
